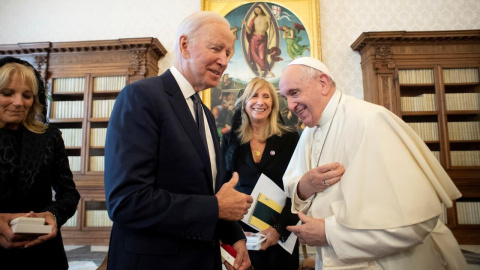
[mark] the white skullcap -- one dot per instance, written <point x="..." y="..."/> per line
<point x="313" y="63"/>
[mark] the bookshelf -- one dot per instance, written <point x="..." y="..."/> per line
<point x="83" y="80"/>
<point x="431" y="80"/>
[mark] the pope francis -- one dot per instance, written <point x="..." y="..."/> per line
<point x="384" y="212"/>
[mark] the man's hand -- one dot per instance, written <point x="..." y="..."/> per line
<point x="319" y="179"/>
<point x="232" y="205"/>
<point x="242" y="261"/>
<point x="311" y="231"/>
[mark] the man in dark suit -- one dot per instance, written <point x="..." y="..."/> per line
<point x="163" y="182"/>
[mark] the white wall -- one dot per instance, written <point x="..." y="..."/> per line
<point x="77" y="20"/>
<point x="342" y="21"/>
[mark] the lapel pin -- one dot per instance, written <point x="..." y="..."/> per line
<point x="272" y="153"/>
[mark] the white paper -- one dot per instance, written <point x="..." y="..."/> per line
<point x="266" y="186"/>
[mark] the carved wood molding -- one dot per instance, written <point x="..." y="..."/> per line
<point x="25" y="48"/>
<point x="41" y="63"/>
<point x="44" y="55"/>
<point x="137" y="66"/>
<point x="372" y="38"/>
<point x="131" y="44"/>
<point x="383" y="59"/>
<point x="85" y="46"/>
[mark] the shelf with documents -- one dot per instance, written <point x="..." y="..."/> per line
<point x="431" y="81"/>
<point x="83" y="80"/>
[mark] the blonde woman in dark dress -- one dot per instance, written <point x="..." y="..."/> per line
<point x="259" y="143"/>
<point x="33" y="162"/>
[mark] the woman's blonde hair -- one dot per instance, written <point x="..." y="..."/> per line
<point x="7" y="73"/>
<point x="273" y="126"/>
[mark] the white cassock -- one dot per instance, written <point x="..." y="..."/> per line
<point x="383" y="214"/>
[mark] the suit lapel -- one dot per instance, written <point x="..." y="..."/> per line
<point x="180" y="107"/>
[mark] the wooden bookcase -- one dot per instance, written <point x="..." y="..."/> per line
<point x="431" y="80"/>
<point x="83" y="80"/>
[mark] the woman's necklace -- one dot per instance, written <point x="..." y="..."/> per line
<point x="257" y="149"/>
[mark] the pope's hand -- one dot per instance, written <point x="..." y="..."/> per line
<point x="311" y="231"/>
<point x="319" y="179"/>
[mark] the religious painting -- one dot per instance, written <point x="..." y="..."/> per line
<point x="269" y="35"/>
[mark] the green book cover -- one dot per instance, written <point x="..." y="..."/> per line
<point x="266" y="212"/>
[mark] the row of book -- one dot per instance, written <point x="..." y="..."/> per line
<point x="71" y="222"/>
<point x="77" y="85"/>
<point x="102" y="108"/>
<point x="450" y="76"/>
<point x="111" y="83"/>
<point x="462" y="101"/>
<point x="465" y="158"/>
<point x="462" y="158"/>
<point x="75" y="163"/>
<point x="68" y="85"/>
<point x="97" y="137"/>
<point x="66" y="109"/>
<point x="93" y="218"/>
<point x="97" y="163"/>
<point x="72" y="137"/>
<point x="415" y="76"/>
<point x="453" y="101"/>
<point x="428" y="131"/>
<point x="460" y="75"/>
<point x="97" y="218"/>
<point x="463" y="131"/>
<point x="468" y="212"/>
<point x="424" y="102"/>
<point x="74" y="109"/>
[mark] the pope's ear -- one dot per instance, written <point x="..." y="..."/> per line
<point x="324" y="82"/>
<point x="183" y="44"/>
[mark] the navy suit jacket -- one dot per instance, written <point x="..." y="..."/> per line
<point x="158" y="182"/>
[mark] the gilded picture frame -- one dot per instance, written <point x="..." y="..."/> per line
<point x="269" y="35"/>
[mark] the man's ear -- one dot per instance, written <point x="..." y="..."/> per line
<point x="183" y="44"/>
<point x="325" y="82"/>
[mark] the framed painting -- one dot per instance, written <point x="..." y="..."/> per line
<point x="269" y="35"/>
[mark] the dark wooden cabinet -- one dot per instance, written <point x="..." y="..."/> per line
<point x="431" y="80"/>
<point x="83" y="80"/>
